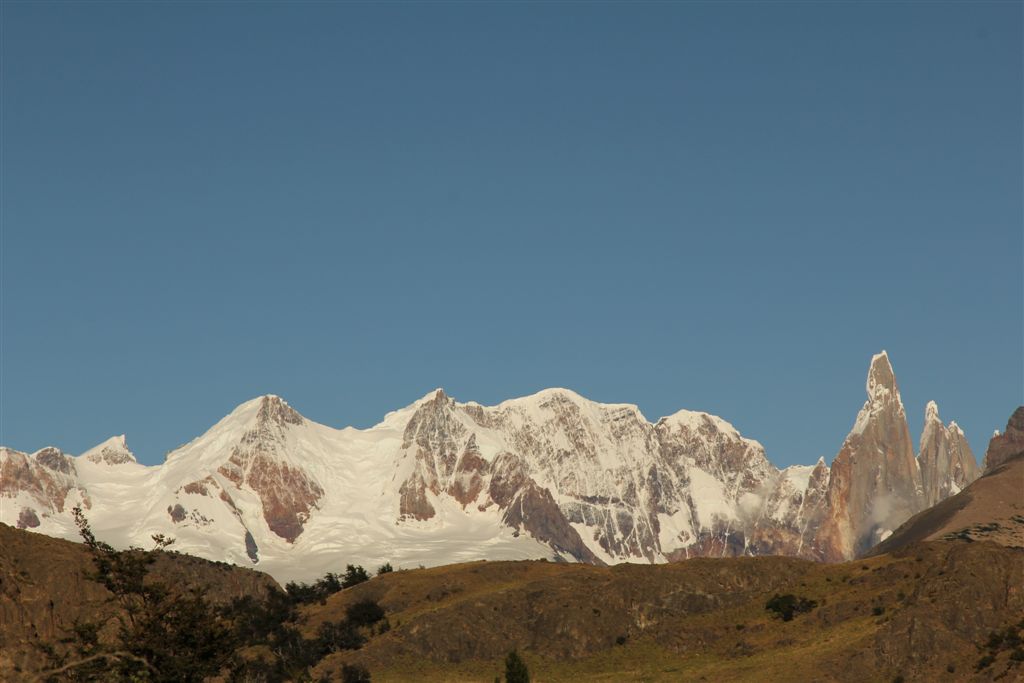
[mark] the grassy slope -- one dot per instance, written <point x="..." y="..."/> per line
<point x="697" y="620"/>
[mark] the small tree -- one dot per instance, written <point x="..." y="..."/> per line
<point x="353" y="673"/>
<point x="354" y="574"/>
<point x="385" y="568"/>
<point x="364" y="613"/>
<point x="515" y="669"/>
<point x="162" y="637"/>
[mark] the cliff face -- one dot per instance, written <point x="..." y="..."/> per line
<point x="946" y="461"/>
<point x="875" y="484"/>
<point x="1010" y="443"/>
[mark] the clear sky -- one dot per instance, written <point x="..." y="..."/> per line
<point x="724" y="207"/>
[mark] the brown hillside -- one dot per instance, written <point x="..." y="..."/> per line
<point x="44" y="590"/>
<point x="924" y="613"/>
<point x="921" y="613"/>
<point x="991" y="508"/>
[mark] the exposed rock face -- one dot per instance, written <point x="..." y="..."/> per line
<point x="28" y="519"/>
<point x="45" y="479"/>
<point x="113" y="451"/>
<point x="874" y="485"/>
<point x="945" y="458"/>
<point x="1004" y="446"/>
<point x="176" y="512"/>
<point x="287" y="493"/>
<point x="251" y="549"/>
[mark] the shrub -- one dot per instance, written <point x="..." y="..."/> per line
<point x="364" y="613"/>
<point x="878" y="610"/>
<point x="787" y="606"/>
<point x="340" y="635"/>
<point x="515" y="669"/>
<point x="385" y="568"/>
<point x="353" y="673"/>
<point x="354" y="574"/>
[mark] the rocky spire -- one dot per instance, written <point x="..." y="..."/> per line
<point x="945" y="458"/>
<point x="874" y="482"/>
<point x="1004" y="446"/>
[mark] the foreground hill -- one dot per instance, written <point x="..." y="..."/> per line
<point x="924" y="613"/>
<point x="553" y="475"/>
<point x="44" y="591"/>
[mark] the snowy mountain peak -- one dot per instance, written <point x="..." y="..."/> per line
<point x="113" y="451"/>
<point x="699" y="421"/>
<point x="931" y="412"/>
<point x="275" y="410"/>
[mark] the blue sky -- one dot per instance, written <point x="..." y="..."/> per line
<point x="725" y="207"/>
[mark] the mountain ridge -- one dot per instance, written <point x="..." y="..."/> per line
<point x="552" y="474"/>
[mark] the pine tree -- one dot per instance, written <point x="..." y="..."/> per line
<point x="515" y="669"/>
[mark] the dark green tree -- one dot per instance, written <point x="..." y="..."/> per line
<point x="161" y="636"/>
<point x="354" y="574"/>
<point x="515" y="669"/>
<point x="353" y="673"/>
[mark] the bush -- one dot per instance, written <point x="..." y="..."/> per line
<point x="340" y="635"/>
<point x="878" y="610"/>
<point x="354" y="574"/>
<point x="364" y="613"/>
<point x="787" y="606"/>
<point x="385" y="568"/>
<point x="304" y="593"/>
<point x="515" y="669"/>
<point x="353" y="673"/>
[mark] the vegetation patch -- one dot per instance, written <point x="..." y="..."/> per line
<point x="788" y="606"/>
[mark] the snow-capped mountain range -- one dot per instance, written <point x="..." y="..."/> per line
<point x="549" y="475"/>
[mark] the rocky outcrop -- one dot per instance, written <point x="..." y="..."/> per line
<point x="874" y="483"/>
<point x="113" y="451"/>
<point x="46" y="478"/>
<point x="946" y="462"/>
<point x="1010" y="443"/>
<point x="28" y="519"/>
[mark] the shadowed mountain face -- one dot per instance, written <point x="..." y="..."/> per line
<point x="550" y="475"/>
